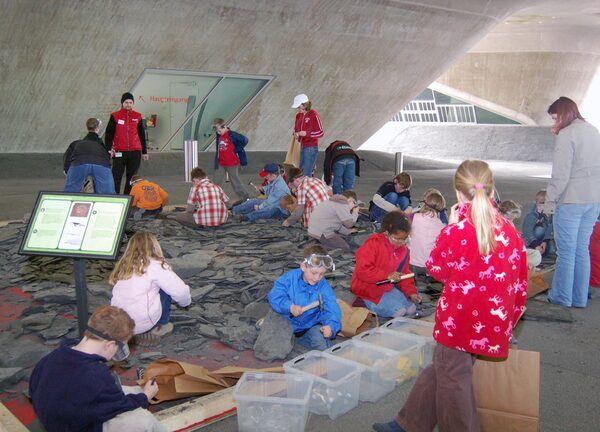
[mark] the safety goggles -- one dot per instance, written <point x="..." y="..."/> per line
<point x="316" y="260"/>
<point x="398" y="241"/>
<point x="122" y="347"/>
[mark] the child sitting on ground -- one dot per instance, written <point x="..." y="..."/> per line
<point x="425" y="228"/>
<point x="380" y="264"/>
<point x="205" y="204"/>
<point x="537" y="227"/>
<point x="144" y="286"/>
<point x="512" y="211"/>
<point x="314" y="328"/>
<point x="390" y="196"/>
<point x="268" y="207"/>
<point x="333" y="219"/>
<point x="148" y="198"/>
<point x="72" y="389"/>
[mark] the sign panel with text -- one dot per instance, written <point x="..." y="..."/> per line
<point x="76" y="225"/>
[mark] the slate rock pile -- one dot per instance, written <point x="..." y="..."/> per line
<point x="230" y="270"/>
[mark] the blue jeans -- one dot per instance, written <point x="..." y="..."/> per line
<point x="539" y="232"/>
<point x="165" y="302"/>
<point x="308" y="159"/>
<point x="573" y="226"/>
<point x="391" y="303"/>
<point x="402" y="202"/>
<point x="247" y="208"/>
<point x="314" y="339"/>
<point x="344" y="172"/>
<point x="103" y="179"/>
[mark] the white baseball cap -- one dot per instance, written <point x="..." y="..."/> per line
<point x="299" y="100"/>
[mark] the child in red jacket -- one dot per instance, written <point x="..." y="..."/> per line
<point x="385" y="256"/>
<point x="481" y="259"/>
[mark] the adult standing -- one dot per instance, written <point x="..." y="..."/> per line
<point x="230" y="155"/>
<point x="343" y="162"/>
<point x="126" y="139"/>
<point x="573" y="193"/>
<point x="88" y="157"/>
<point x="307" y="130"/>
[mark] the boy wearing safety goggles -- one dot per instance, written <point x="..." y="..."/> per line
<point x="72" y="389"/>
<point x="304" y="297"/>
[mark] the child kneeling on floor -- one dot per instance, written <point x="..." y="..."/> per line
<point x="144" y="286"/>
<point x="314" y="328"/>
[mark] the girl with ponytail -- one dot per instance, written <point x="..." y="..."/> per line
<point x="480" y="257"/>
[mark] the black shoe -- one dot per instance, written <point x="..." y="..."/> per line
<point x="388" y="427"/>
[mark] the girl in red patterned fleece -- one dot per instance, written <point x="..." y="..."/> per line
<point x="481" y="259"/>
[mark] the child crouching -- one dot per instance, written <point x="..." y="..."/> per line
<point x="314" y="328"/>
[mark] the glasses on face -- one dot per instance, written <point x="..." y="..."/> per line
<point x="397" y="240"/>
<point x="316" y="260"/>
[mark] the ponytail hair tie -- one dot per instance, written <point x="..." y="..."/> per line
<point x="479" y="186"/>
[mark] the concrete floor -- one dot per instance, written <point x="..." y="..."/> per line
<point x="570" y="371"/>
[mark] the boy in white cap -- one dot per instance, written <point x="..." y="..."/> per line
<point x="307" y="130"/>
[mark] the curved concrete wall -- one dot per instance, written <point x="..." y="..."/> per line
<point x="359" y="60"/>
<point x="526" y="82"/>
<point x="458" y="142"/>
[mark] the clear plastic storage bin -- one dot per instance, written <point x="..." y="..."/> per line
<point x="336" y="383"/>
<point x="411" y="348"/>
<point x="378" y="376"/>
<point x="272" y="402"/>
<point x="420" y="328"/>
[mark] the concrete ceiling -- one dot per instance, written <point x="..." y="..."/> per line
<point x="551" y="26"/>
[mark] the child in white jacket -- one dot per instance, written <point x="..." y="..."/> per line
<point x="144" y="286"/>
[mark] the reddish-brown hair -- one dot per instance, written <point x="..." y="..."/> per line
<point x="566" y="111"/>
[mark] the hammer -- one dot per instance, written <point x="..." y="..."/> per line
<point x="386" y="281"/>
<point x="313" y="305"/>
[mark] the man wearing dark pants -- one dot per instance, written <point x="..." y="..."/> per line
<point x="126" y="138"/>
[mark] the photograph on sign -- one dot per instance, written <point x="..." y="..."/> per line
<point x="76" y="225"/>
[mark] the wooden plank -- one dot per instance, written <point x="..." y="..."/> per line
<point x="8" y="422"/>
<point x="198" y="413"/>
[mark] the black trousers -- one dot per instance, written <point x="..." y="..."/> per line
<point x="128" y="163"/>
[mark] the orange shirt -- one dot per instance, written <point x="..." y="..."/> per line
<point x="148" y="195"/>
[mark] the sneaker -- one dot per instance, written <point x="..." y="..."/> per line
<point x="162" y="330"/>
<point x="146" y="339"/>
<point x="388" y="427"/>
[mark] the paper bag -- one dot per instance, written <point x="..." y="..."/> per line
<point x="508" y="392"/>
<point x="177" y="380"/>
<point x="356" y="320"/>
<point x="293" y="154"/>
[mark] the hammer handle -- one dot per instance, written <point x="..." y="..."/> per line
<point x="310" y="306"/>
<point x="386" y="281"/>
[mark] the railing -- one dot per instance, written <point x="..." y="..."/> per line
<point x="430" y="112"/>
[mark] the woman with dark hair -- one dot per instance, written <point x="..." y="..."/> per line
<point x="385" y="257"/>
<point x="573" y="193"/>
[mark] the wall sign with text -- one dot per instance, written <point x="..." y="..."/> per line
<point x="76" y="225"/>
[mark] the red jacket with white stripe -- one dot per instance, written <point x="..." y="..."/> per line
<point x="483" y="296"/>
<point x="311" y="123"/>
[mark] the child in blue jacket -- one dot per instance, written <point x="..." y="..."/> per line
<point x="314" y="328"/>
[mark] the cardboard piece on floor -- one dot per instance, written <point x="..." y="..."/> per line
<point x="508" y="392"/>
<point x="177" y="379"/>
<point x="356" y="320"/>
<point x="536" y="281"/>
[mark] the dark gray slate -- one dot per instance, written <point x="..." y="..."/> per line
<point x="39" y="321"/>
<point x="22" y="354"/>
<point x="9" y="376"/>
<point x="276" y="338"/>
<point x="238" y="334"/>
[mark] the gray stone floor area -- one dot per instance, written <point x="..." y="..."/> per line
<point x="230" y="270"/>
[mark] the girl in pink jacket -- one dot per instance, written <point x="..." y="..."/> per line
<point x="144" y="286"/>
<point x="480" y="258"/>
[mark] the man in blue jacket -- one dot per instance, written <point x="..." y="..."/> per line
<point x="72" y="389"/>
<point x="269" y="207"/>
<point x="229" y="156"/>
<point x="305" y="299"/>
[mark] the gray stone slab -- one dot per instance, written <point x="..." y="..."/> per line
<point x="10" y="376"/>
<point x="276" y="338"/>
<point x="39" y="321"/>
<point x="22" y="353"/>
